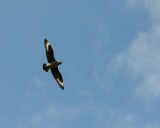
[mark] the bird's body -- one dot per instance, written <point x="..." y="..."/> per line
<point x="52" y="64"/>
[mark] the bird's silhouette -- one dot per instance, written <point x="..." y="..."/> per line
<point x="52" y="64"/>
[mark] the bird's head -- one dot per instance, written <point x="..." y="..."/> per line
<point x="59" y="62"/>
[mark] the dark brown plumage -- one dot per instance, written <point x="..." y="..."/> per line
<point x="52" y="64"/>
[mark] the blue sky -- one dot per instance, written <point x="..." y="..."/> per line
<point x="111" y="64"/>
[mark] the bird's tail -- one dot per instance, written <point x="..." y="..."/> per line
<point x="45" y="67"/>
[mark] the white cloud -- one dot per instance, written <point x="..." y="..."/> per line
<point x="117" y="118"/>
<point x="51" y="116"/>
<point x="54" y="115"/>
<point x="58" y="115"/>
<point x="102" y="116"/>
<point x="142" y="59"/>
<point x="151" y="5"/>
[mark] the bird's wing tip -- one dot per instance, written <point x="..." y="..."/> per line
<point x="60" y="83"/>
<point x="45" y="40"/>
<point x="63" y="87"/>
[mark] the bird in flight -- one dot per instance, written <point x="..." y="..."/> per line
<point x="52" y="64"/>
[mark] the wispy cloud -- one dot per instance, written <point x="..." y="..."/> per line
<point x="54" y="115"/>
<point x="152" y="6"/>
<point x="60" y="115"/>
<point x="142" y="59"/>
<point x="51" y="116"/>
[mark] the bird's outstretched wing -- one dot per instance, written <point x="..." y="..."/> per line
<point x="58" y="77"/>
<point x="50" y="57"/>
<point x="49" y="51"/>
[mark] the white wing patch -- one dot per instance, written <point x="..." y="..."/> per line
<point x="61" y="84"/>
<point x="47" y="46"/>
